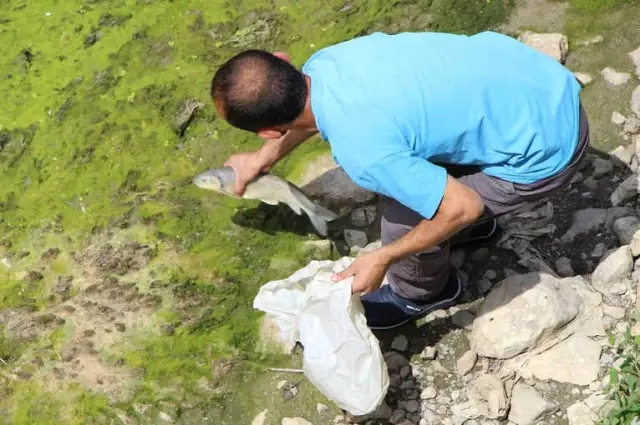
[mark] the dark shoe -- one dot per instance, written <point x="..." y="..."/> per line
<point x="384" y="309"/>
<point x="476" y="233"/>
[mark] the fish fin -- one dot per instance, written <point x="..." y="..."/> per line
<point x="319" y="223"/>
<point x="318" y="215"/>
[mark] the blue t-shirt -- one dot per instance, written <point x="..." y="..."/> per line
<point x="395" y="107"/>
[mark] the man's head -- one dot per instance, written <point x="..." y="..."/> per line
<point x="259" y="92"/>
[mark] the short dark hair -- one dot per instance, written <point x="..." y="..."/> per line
<point x="259" y="90"/>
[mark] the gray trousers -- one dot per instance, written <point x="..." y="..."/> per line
<point x="424" y="275"/>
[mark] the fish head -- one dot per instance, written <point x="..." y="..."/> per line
<point x="217" y="180"/>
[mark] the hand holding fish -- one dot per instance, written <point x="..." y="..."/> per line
<point x="369" y="270"/>
<point x="247" y="165"/>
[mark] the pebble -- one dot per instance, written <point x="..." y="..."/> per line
<point x="615" y="78"/>
<point x="281" y="384"/>
<point x="463" y="319"/>
<point x="617" y="118"/>
<point x="563" y="267"/>
<point x="467" y="362"/>
<point x="490" y="274"/>
<point x="321" y="408"/>
<point x="405" y="371"/>
<point x="484" y="286"/>
<point x="429" y="353"/>
<point x="397" y="416"/>
<point x="400" y="343"/>
<point x="615" y="312"/>
<point x="410" y="406"/>
<point x="355" y="238"/>
<point x="428" y="393"/>
<point x="599" y="250"/>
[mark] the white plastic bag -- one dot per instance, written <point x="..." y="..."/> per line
<point x="342" y="357"/>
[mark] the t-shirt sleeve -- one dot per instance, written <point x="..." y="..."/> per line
<point x="409" y="179"/>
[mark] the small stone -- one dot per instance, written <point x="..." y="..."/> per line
<point x="590" y="410"/>
<point x="583" y="77"/>
<point x="321" y="408"/>
<point x="615" y="78"/>
<point x="483" y="286"/>
<point x="527" y="406"/>
<point x="363" y="217"/>
<point x="408" y="385"/>
<point x="395" y="361"/>
<point x="555" y="45"/>
<point x="165" y="417"/>
<point x="615" y="312"/>
<point x="455" y="395"/>
<point x="457" y="258"/>
<point x="577" y="177"/>
<point x="490" y="274"/>
<point x="466" y="363"/>
<point x="598" y="250"/>
<point x="631" y="125"/>
<point x="338" y="418"/>
<point x="612" y="268"/>
<point x="625" y="228"/>
<point x="405" y="371"/>
<point x="621" y="156"/>
<point x="463" y="319"/>
<point x="355" y="238"/>
<point x="397" y="416"/>
<point x="601" y="167"/>
<point x="281" y="384"/>
<point x="625" y="190"/>
<point x="617" y="118"/>
<point x="635" y="101"/>
<point x="619" y="288"/>
<point x="429" y="353"/>
<point x="400" y="343"/>
<point x="428" y="393"/>
<point x="563" y="267"/>
<point x="260" y="418"/>
<point x="410" y="406"/>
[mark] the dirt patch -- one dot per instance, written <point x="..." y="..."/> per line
<point x="536" y="15"/>
<point x="102" y="259"/>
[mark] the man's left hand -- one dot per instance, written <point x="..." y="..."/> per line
<point x="369" y="270"/>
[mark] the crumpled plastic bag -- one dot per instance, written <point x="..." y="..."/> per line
<point x="342" y="357"/>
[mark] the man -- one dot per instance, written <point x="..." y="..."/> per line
<point x="455" y="129"/>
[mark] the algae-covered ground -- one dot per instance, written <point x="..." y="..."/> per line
<point x="125" y="291"/>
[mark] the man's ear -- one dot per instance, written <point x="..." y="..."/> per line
<point x="283" y="56"/>
<point x="270" y="134"/>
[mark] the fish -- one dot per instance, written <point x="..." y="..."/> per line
<point x="271" y="190"/>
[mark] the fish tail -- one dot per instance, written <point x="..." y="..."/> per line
<point x="318" y="214"/>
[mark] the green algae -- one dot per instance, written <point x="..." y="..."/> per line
<point x="87" y="143"/>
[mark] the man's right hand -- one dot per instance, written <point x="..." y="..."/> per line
<point x="246" y="165"/>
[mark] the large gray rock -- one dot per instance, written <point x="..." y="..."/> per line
<point x="628" y="231"/>
<point x="575" y="360"/>
<point x="584" y="221"/>
<point x="613" y="268"/>
<point x="555" y="45"/>
<point x="489" y="389"/>
<point x="527" y="406"/>
<point x="509" y="322"/>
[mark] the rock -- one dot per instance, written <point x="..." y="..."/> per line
<point x="621" y="156"/>
<point x="625" y="190"/>
<point x="595" y="40"/>
<point x="601" y="167"/>
<point x="400" y="343"/>
<point x="598" y="250"/>
<point x="555" y="45"/>
<point x="410" y="406"/>
<point x="490" y="390"/>
<point x="120" y="327"/>
<point x="617" y="118"/>
<point x="527" y="406"/>
<point x="355" y="238"/>
<point x="463" y="319"/>
<point x="429" y="353"/>
<point x="63" y="285"/>
<point x="321" y="408"/>
<point x="490" y="274"/>
<point x="631" y="126"/>
<point x="583" y="77"/>
<point x="329" y="185"/>
<point x="635" y="101"/>
<point x="397" y="416"/>
<point x="509" y="320"/>
<point x="615" y="78"/>
<point x="625" y="228"/>
<point x="615" y="213"/>
<point x="635" y="58"/>
<point x="563" y="267"/>
<point x="295" y="421"/>
<point x="612" y="268"/>
<point x="428" y="393"/>
<point x="574" y="360"/>
<point x="405" y="371"/>
<point x="457" y="258"/>
<point x="589" y="411"/>
<point x="185" y="115"/>
<point x="466" y="362"/>
<point x="363" y="217"/>
<point x="483" y="286"/>
<point x="479" y="254"/>
<point x="395" y="361"/>
<point x="615" y="312"/>
<point x="261" y="418"/>
<point x="165" y="417"/>
<point x="619" y="288"/>
<point x="584" y="221"/>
